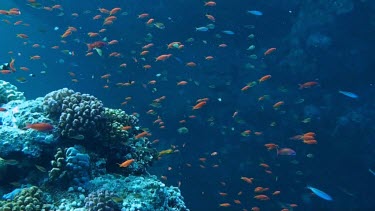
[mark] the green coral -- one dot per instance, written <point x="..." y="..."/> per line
<point x="29" y="199"/>
<point x="116" y="119"/>
<point x="9" y="92"/>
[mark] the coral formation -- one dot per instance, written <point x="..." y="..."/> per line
<point x="28" y="199"/>
<point x="79" y="115"/>
<point x="116" y="120"/>
<point x="9" y="92"/>
<point x="77" y="165"/>
<point x="101" y="200"/>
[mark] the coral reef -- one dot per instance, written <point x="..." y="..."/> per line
<point x="77" y="167"/>
<point x="9" y="92"/>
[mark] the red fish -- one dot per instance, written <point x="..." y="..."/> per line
<point x="43" y="127"/>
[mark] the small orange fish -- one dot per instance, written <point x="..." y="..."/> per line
<point x="264" y="78"/>
<point x="245" y="88"/>
<point x="36" y="57"/>
<point x="269" y="51"/>
<point x="210" y="4"/>
<point x="248" y="180"/>
<point x="261" y="197"/>
<point x="43" y="127"/>
<point x="150" y="21"/>
<point x="276" y="193"/>
<point x="114" y="11"/>
<point x="278" y="104"/>
<point x="210" y="17"/>
<point x="224" y="205"/>
<point x="308" y="85"/>
<point x="163" y="57"/>
<point x="126" y="163"/>
<point x="182" y="83"/>
<point x="143" y="15"/>
<point x="199" y="105"/>
<point x="106" y="76"/>
<point x="223" y="194"/>
<point x="236" y="201"/>
<point x="191" y="64"/>
<point x="143" y="134"/>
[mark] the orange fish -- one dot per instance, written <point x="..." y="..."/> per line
<point x="310" y="141"/>
<point x="182" y="83"/>
<point x="191" y="64"/>
<point x="278" y="104"/>
<point x="163" y="57"/>
<point x="276" y="193"/>
<point x="224" y="205"/>
<point x="24" y="68"/>
<point x="210" y="17"/>
<point x="43" y="127"/>
<point x="199" y="105"/>
<point x="23" y="36"/>
<point x="143" y="15"/>
<point x="66" y="33"/>
<point x="5" y="71"/>
<point x="106" y="76"/>
<point x="96" y="17"/>
<point x="144" y="53"/>
<point x="114" y="11"/>
<point x="126" y="163"/>
<point x="269" y="51"/>
<point x="210" y="4"/>
<point x="208" y="57"/>
<point x="245" y="88"/>
<point x="36" y="57"/>
<point x="248" y="180"/>
<point x="264" y="78"/>
<point x="223" y="194"/>
<point x="261" y="197"/>
<point x="308" y="85"/>
<point x="143" y="134"/>
<point x="147" y="46"/>
<point x="150" y="21"/>
<point x="11" y="65"/>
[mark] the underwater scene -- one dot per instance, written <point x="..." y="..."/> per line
<point x="177" y="105"/>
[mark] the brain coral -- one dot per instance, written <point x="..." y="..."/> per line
<point x="8" y="92"/>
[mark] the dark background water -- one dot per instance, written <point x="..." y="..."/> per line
<point x="315" y="41"/>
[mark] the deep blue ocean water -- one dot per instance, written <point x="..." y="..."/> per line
<point x="316" y="41"/>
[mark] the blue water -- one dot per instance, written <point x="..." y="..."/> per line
<point x="325" y="44"/>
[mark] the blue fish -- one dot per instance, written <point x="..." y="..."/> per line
<point x="320" y="193"/>
<point x="228" y="32"/>
<point x="348" y="94"/>
<point x="255" y="12"/>
<point x="201" y="29"/>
